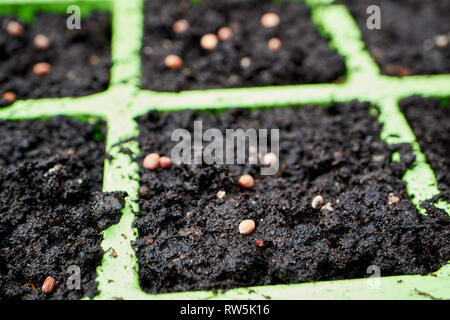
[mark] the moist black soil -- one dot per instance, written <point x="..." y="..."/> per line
<point x="51" y="209"/>
<point x="80" y="59"/>
<point x="407" y="42"/>
<point x="430" y="121"/>
<point x="304" y="57"/>
<point x="189" y="238"/>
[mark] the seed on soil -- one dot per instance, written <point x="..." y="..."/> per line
<point x="151" y="161"/>
<point x="270" y="159"/>
<point x="165" y="162"/>
<point x="270" y="20"/>
<point x="245" y="62"/>
<point x="327" y="206"/>
<point x="180" y="26"/>
<point x="94" y="59"/>
<point x="209" y="41"/>
<point x="259" y="243"/>
<point x="41" y="69"/>
<point x="317" y="202"/>
<point x="221" y="194"/>
<point x="41" y="42"/>
<point x="246" y="226"/>
<point x="14" y="29"/>
<point x="393" y="199"/>
<point x="48" y="285"/>
<point x="9" y="96"/>
<point x="441" y="41"/>
<point x="173" y="61"/>
<point x="246" y="181"/>
<point x="225" y="33"/>
<point x="274" y="44"/>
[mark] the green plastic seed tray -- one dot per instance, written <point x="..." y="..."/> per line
<point x="124" y="100"/>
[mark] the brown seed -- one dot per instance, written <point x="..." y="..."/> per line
<point x="41" y="42"/>
<point x="274" y="44"/>
<point x="270" y="159"/>
<point x="41" y="68"/>
<point x="393" y="199"/>
<point x="259" y="243"/>
<point x="48" y="285"/>
<point x="14" y="29"/>
<point x="151" y="161"/>
<point x="246" y="181"/>
<point x="317" y="202"/>
<point x="165" y="162"/>
<point x="94" y="59"/>
<point x="209" y="41"/>
<point x="180" y="26"/>
<point x="246" y="226"/>
<point x="173" y="62"/>
<point x="9" y="96"/>
<point x="270" y="20"/>
<point x="114" y="254"/>
<point x="225" y="33"/>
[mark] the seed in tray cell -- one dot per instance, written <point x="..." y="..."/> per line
<point x="221" y="194"/>
<point x="246" y="226"/>
<point x="441" y="41"/>
<point x="270" y="20"/>
<point x="14" y="29"/>
<point x="317" y="202"/>
<point x="173" y="62"/>
<point x="274" y="44"/>
<point x="246" y="181"/>
<point x="180" y="26"/>
<point x="270" y="159"/>
<point x="393" y="199"/>
<point x="41" y="42"/>
<point x="225" y="33"/>
<point x="151" y="161"/>
<point x="245" y="62"/>
<point x="42" y="68"/>
<point x="165" y="162"/>
<point x="9" y="96"/>
<point x="209" y="41"/>
<point x="48" y="285"/>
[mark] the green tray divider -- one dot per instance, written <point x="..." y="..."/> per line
<point x="124" y="100"/>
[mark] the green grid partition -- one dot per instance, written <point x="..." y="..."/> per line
<point x="124" y="100"/>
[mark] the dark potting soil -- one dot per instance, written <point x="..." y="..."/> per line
<point x="430" y="121"/>
<point x="189" y="238"/>
<point x="52" y="210"/>
<point x="305" y="57"/>
<point x="79" y="59"/>
<point x="411" y="35"/>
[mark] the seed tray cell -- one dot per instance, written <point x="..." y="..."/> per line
<point x="124" y="100"/>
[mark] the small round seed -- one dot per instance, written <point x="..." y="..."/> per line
<point x="259" y="243"/>
<point x="274" y="44"/>
<point x="48" y="285"/>
<point x="9" y="96"/>
<point x="270" y="20"/>
<point x="41" y="42"/>
<point x="151" y="161"/>
<point x="41" y="69"/>
<point x="221" y="194"/>
<point x="14" y="29"/>
<point x="209" y="41"/>
<point x="225" y="33"/>
<point x="393" y="199"/>
<point x="246" y="226"/>
<point x="317" y="202"/>
<point x="327" y="206"/>
<point x="441" y="41"/>
<point x="173" y="62"/>
<point x="180" y="26"/>
<point x="270" y="159"/>
<point x="94" y="59"/>
<point x="246" y="181"/>
<point x="245" y="62"/>
<point x="165" y="162"/>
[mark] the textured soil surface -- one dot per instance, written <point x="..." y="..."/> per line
<point x="189" y="238"/>
<point x="80" y="59"/>
<point x="51" y="207"/>
<point x="430" y="121"/>
<point x="304" y="57"/>
<point x="407" y="41"/>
